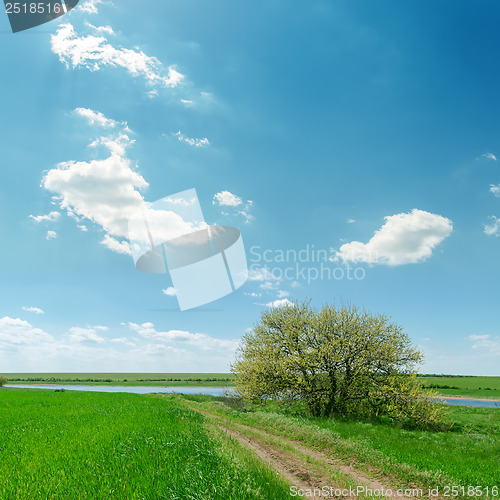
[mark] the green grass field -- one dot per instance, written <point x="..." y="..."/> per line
<point x="479" y="387"/>
<point x="467" y="455"/>
<point x="124" y="379"/>
<point x="81" y="445"/>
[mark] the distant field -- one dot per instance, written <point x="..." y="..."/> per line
<point x="81" y="445"/>
<point x="124" y="379"/>
<point x="481" y="387"/>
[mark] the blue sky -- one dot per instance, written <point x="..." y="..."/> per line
<point x="367" y="130"/>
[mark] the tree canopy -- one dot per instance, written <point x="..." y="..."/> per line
<point x="337" y="360"/>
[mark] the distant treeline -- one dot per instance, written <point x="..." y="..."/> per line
<point x="208" y="379"/>
<point x="444" y="375"/>
<point x="59" y="379"/>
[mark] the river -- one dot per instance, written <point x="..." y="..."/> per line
<point x="208" y="391"/>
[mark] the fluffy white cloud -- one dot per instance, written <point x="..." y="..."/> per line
<point x="405" y="238"/>
<point x="90" y="6"/>
<point x="116" y="245"/>
<point x="230" y="201"/>
<point x="495" y="190"/>
<point x="50" y="217"/>
<point x="15" y="331"/>
<point x="100" y="29"/>
<point x="179" y="337"/>
<point x="95" y="52"/>
<point x="51" y="235"/>
<point x="282" y="294"/>
<point x="260" y="274"/>
<point x="170" y="291"/>
<point x="280" y="303"/>
<point x="351" y="221"/>
<point x="489" y="156"/>
<point x="487" y="343"/>
<point x="197" y="143"/>
<point x="87" y="335"/>
<point x="107" y="192"/>
<point x="35" y="310"/>
<point x="25" y="348"/>
<point x="492" y="229"/>
<point x="226" y="199"/>
<point x="97" y="118"/>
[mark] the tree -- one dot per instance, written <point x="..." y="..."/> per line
<point x="3" y="380"/>
<point x="338" y="360"/>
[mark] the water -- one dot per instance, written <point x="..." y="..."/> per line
<point x="206" y="391"/>
<point x="471" y="402"/>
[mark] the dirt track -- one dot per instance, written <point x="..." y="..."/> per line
<point x="308" y="469"/>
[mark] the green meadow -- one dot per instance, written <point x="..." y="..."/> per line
<point x="465" y="452"/>
<point x="124" y="379"/>
<point x="85" y="445"/>
<point x="473" y="387"/>
<point x="81" y="445"/>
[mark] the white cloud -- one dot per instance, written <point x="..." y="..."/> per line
<point x="107" y="192"/>
<point x="101" y="29"/>
<point x="253" y="294"/>
<point x="87" y="335"/>
<point x="351" y="221"/>
<point x="50" y="217"/>
<point x="495" y="190"/>
<point x="487" y="343"/>
<point x="25" y="348"/>
<point x="226" y="199"/>
<point x="35" y="310"/>
<point x="492" y="229"/>
<point x="51" y="235"/>
<point x="97" y="118"/>
<point x="116" y="245"/>
<point x="260" y="274"/>
<point x="282" y="294"/>
<point x="197" y="143"/>
<point x="229" y="200"/>
<point x="90" y="6"/>
<point x="170" y="291"/>
<point x="405" y="238"/>
<point x="179" y="337"/>
<point x="280" y="303"/>
<point x="15" y="331"/>
<point x="489" y="156"/>
<point x="95" y="52"/>
<point x="187" y="102"/>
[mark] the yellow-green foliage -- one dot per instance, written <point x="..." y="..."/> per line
<point x="3" y="380"/>
<point x="339" y="360"/>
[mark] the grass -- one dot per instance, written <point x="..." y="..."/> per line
<point x="480" y="387"/>
<point x="125" y="379"/>
<point x="81" y="445"/>
<point x="467" y="455"/>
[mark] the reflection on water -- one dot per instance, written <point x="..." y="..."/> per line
<point x="208" y="391"/>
